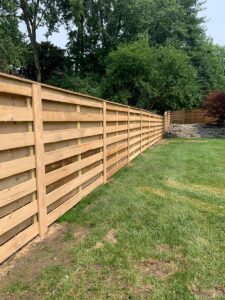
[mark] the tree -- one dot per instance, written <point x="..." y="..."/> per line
<point x="175" y="22"/>
<point x="152" y="78"/>
<point x="209" y="61"/>
<point x="12" y="46"/>
<point x="89" y="84"/>
<point x="35" y="14"/>
<point x="52" y="60"/>
<point x="215" y="106"/>
<point x="98" y="27"/>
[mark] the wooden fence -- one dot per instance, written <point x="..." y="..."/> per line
<point x="196" y="116"/>
<point x="167" y="120"/>
<point x="56" y="147"/>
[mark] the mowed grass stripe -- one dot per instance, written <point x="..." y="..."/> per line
<point x="155" y="231"/>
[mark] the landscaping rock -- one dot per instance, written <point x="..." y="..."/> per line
<point x="195" y="131"/>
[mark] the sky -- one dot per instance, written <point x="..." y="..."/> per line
<point x="215" y="16"/>
<point x="215" y="27"/>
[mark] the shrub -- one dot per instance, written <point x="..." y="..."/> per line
<point x="215" y="106"/>
<point x="151" y="78"/>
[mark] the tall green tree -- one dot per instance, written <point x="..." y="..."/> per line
<point x="209" y="61"/>
<point x="100" y="26"/>
<point x="12" y="46"/>
<point x="151" y="77"/>
<point x="175" y="22"/>
<point x="35" y="14"/>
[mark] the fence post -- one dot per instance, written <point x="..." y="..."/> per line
<point x="165" y="122"/>
<point x="104" y="143"/>
<point x="39" y="156"/>
<point x="128" y="134"/>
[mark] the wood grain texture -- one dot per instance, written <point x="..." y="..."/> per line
<point x="39" y="155"/>
<point x="57" y="147"/>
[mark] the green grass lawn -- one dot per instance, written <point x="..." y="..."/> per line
<point x="155" y="231"/>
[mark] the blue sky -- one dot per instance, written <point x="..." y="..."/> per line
<point x="215" y="15"/>
<point x="214" y="12"/>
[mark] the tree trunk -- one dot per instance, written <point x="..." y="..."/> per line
<point x="36" y="62"/>
<point x="31" y="29"/>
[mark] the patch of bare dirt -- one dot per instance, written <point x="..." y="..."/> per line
<point x="209" y="294"/>
<point x="161" y="269"/>
<point x="79" y="233"/>
<point x="111" y="236"/>
<point x="11" y="262"/>
<point x="99" y="245"/>
<point x="142" y="290"/>
<point x="40" y="254"/>
<point x="163" y="248"/>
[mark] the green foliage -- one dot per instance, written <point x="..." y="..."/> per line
<point x="12" y="49"/>
<point x="35" y="14"/>
<point x="100" y="26"/>
<point x="174" y="68"/>
<point x="151" y="78"/>
<point x="84" y="85"/>
<point x="52" y="60"/>
<point x="209" y="61"/>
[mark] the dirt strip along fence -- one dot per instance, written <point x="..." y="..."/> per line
<point x="196" y="116"/>
<point x="56" y="147"/>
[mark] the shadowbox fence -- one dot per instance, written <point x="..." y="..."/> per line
<point x="56" y="147"/>
<point x="195" y="116"/>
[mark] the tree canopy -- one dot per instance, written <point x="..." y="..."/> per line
<point x="154" y="54"/>
<point x="151" y="78"/>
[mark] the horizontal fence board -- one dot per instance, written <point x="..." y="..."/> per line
<point x="13" y="167"/>
<point x="16" y="87"/>
<point x="112" y="129"/>
<point x="18" y="191"/>
<point x="16" y="140"/>
<point x="132" y="157"/>
<point x="12" y="220"/>
<point x="116" y="118"/>
<point x="61" y="154"/>
<point x="62" y="209"/>
<point x="116" y="139"/>
<point x="69" y="134"/>
<point x="115" y="107"/>
<point x="72" y="168"/>
<point x="115" y="149"/>
<point x="18" y="242"/>
<point x="116" y="159"/>
<point x="49" y="116"/>
<point x="57" y="95"/>
<point x="72" y="185"/>
<point x="15" y="114"/>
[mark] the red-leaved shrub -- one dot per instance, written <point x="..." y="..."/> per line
<point x="215" y="105"/>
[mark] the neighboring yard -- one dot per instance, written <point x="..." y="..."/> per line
<point x="156" y="231"/>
